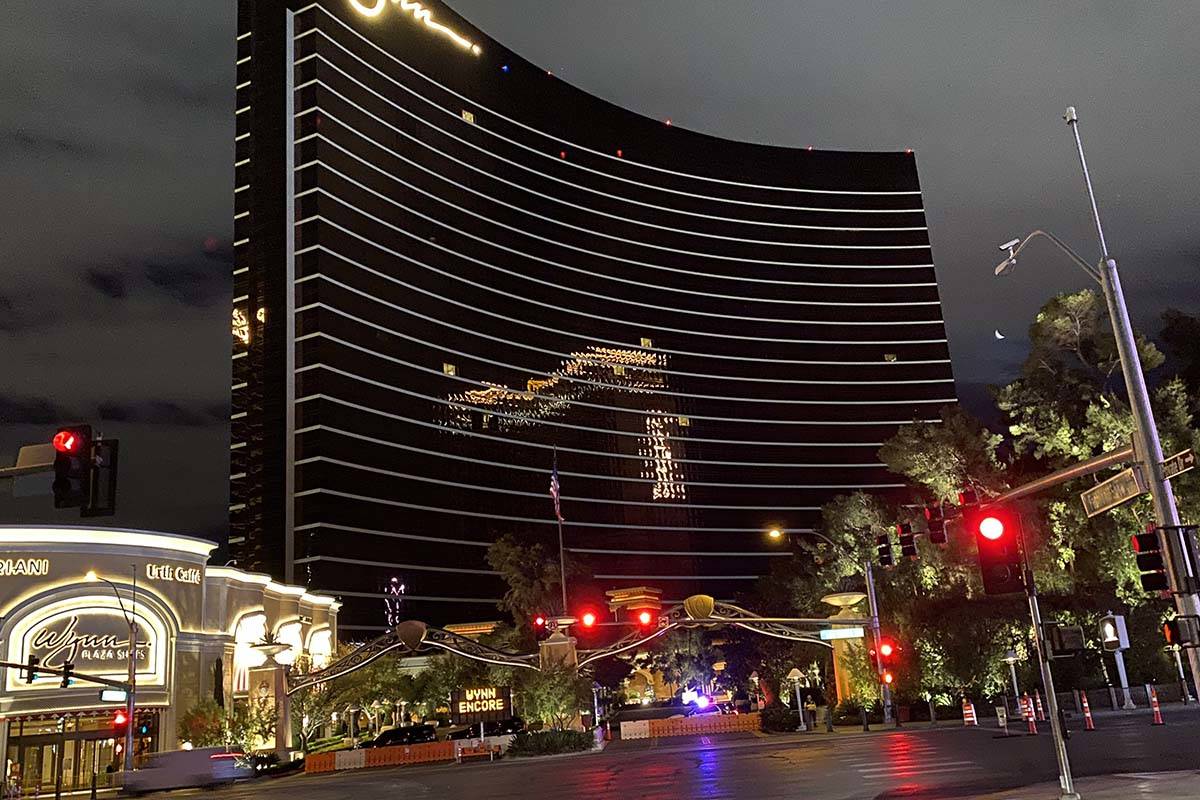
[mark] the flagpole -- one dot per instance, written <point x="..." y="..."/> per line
<point x="555" y="493"/>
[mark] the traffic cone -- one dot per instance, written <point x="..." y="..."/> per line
<point x="1088" y="725"/>
<point x="1040" y="711"/>
<point x="969" y="718"/>
<point x="1158" y="720"/>
<point x="1027" y="711"/>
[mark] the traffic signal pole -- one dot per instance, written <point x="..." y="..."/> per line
<point x="1179" y="567"/>
<point x="873" y="610"/>
<point x="1065" y="782"/>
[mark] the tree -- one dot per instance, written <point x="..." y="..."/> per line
<point x="532" y="577"/>
<point x="312" y="707"/>
<point x="250" y="723"/>
<point x="203" y="724"/>
<point x="943" y="457"/>
<point x="553" y="695"/>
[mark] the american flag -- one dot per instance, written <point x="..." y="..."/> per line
<point x="554" y="488"/>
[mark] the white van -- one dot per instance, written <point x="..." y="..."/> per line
<point x="183" y="769"/>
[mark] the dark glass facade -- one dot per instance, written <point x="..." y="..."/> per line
<point x="451" y="265"/>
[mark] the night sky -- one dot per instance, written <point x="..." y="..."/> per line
<point x="116" y="158"/>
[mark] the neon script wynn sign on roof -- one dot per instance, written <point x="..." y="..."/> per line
<point x="373" y="8"/>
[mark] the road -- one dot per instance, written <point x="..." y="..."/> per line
<point x="908" y="763"/>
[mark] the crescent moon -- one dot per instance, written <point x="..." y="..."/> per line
<point x="1000" y="335"/>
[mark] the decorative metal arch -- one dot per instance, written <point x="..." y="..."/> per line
<point x="697" y="611"/>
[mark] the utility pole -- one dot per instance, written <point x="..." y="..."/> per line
<point x="131" y="704"/>
<point x="1149" y="449"/>
<point x="873" y="610"/>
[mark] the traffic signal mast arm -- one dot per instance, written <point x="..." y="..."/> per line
<point x="38" y="669"/>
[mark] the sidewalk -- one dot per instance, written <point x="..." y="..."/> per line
<point x="1159" y="785"/>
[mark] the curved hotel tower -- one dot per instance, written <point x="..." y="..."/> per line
<point x="452" y="266"/>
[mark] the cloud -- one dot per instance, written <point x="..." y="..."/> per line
<point x="162" y="412"/>
<point x="32" y="411"/>
<point x="109" y="284"/>
<point x="22" y="142"/>
<point x="196" y="281"/>
<point x="159" y="90"/>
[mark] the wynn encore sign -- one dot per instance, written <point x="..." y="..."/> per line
<point x="472" y="706"/>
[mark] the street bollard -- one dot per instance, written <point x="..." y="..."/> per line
<point x="863" y="710"/>
<point x="828" y="718"/>
<point x="1112" y="697"/>
<point x="92" y="796"/>
<point x="932" y="712"/>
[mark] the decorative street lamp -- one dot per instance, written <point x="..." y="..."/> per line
<point x="281" y="654"/>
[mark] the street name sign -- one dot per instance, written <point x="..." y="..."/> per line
<point x="832" y="634"/>
<point x="1180" y="462"/>
<point x="1120" y="488"/>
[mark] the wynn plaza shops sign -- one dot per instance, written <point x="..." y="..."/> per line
<point x="94" y="638"/>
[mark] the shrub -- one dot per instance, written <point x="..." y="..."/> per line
<point x="849" y="712"/>
<point x="778" y="718"/>
<point x="545" y="743"/>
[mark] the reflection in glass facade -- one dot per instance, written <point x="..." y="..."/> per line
<point x="452" y="265"/>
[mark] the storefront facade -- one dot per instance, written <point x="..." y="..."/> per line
<point x="65" y="597"/>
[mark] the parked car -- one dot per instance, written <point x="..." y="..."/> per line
<point x="504" y="727"/>
<point x="204" y="767"/>
<point x="409" y="734"/>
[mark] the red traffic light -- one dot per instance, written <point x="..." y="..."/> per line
<point x="887" y="678"/>
<point x="119" y="719"/>
<point x="991" y="528"/>
<point x="588" y="619"/>
<point x="644" y="617"/>
<point x="886" y="649"/>
<point x="66" y="441"/>
<point x="539" y="621"/>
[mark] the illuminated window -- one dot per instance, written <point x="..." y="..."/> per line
<point x="241" y="326"/>
<point x="647" y="342"/>
<point x="449" y="369"/>
<point x="468" y="116"/>
<point x="250" y="630"/>
<point x="320" y="648"/>
<point x="660" y="462"/>
<point x="289" y="634"/>
<point x="261" y="315"/>
<point x="618" y="369"/>
<point x="889" y="356"/>
<point x="685" y="422"/>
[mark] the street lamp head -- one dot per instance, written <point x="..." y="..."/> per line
<point x="92" y="576"/>
<point x="775" y="534"/>
<point x="1009" y="245"/>
<point x="1006" y="266"/>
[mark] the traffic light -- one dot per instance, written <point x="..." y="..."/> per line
<point x="935" y="516"/>
<point x="908" y="541"/>
<point x="120" y="724"/>
<point x="541" y="627"/>
<point x="31" y="674"/>
<point x="1150" y="562"/>
<point x="645" y="619"/>
<point x="967" y="496"/>
<point x="72" y="466"/>
<point x="883" y="546"/>
<point x="885" y="659"/>
<point x="143" y="726"/>
<point x="1183" y="631"/>
<point x="68" y="669"/>
<point x="996" y="534"/>
<point x="588" y="619"/>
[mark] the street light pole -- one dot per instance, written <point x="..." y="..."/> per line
<point x="873" y="611"/>
<point x="131" y="621"/>
<point x="1145" y="430"/>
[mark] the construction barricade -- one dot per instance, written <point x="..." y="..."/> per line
<point x="397" y="755"/>
<point x="702" y="726"/>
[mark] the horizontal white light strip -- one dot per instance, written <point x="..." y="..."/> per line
<point x="520" y="298"/>
<point x="566" y="473"/>
<point x="329" y="142"/>
<point x="495" y="440"/>
<point x="240" y="270"/>
<point x="533" y="520"/>
<point x="244" y="35"/>
<point x="241" y="214"/>
<point x="391" y="534"/>
<point x="550" y="262"/>
<point x="583" y="339"/>
<point x="242" y="110"/>
<point x="241" y="242"/>
<point x="697" y="577"/>
<point x="604" y="431"/>
<point x="238" y="415"/>
<point x="499" y="179"/>
<point x="241" y="163"/>
<point x="554" y="139"/>
<point x="680" y="553"/>
<point x="242" y="85"/>
<point x="241" y="136"/>
<point x="615" y="409"/>
<point x="581" y="187"/>
<point x="580" y="499"/>
<point x="579" y="356"/>
<point x="237" y="386"/>
<point x="598" y="361"/>
<point x="338" y="560"/>
<point x="236" y="356"/>
<point x="422" y="597"/>
<point x="241" y="61"/>
<point x="241" y="188"/>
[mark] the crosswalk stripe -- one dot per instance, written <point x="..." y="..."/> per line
<point x="916" y="765"/>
